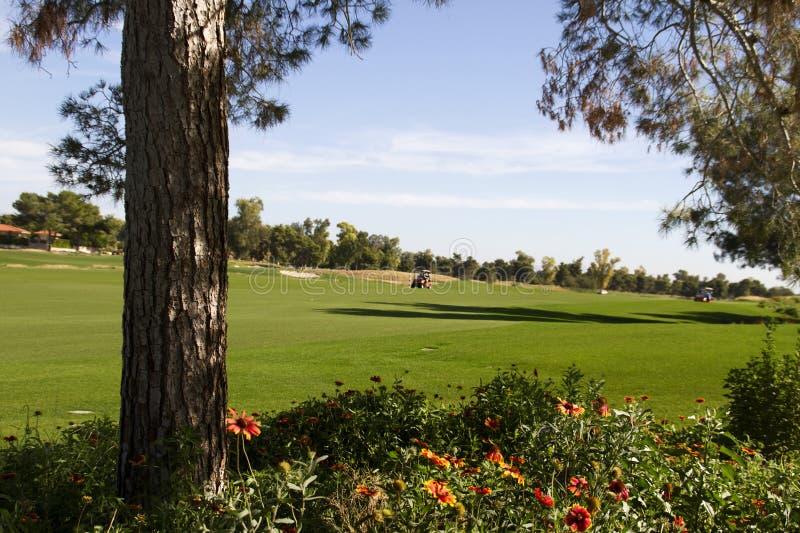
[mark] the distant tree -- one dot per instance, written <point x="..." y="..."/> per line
<point x="424" y="260"/>
<point x="622" y="280"/>
<point x="388" y="249"/>
<point x="521" y="268"/>
<point x="778" y="292"/>
<point x="719" y="284"/>
<point x="547" y="273"/>
<point x="568" y="274"/>
<point x="644" y="282"/>
<point x="406" y="263"/>
<point x="685" y="284"/>
<point x="246" y="231"/>
<point x="65" y="212"/>
<point x="716" y="81"/>
<point x="662" y="284"/>
<point x="602" y="268"/>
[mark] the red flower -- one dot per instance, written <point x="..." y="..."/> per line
<point x="10" y="475"/>
<point x="363" y="489"/>
<point x="577" y="485"/>
<point x="544" y="499"/>
<point x="568" y="408"/>
<point x="332" y="404"/>
<point x="246" y="425"/>
<point x="700" y="400"/>
<point x="644" y="397"/>
<point x="76" y="478"/>
<point x="492" y="423"/>
<point x="136" y="461"/>
<point x="629" y="399"/>
<point x="312" y="420"/>
<point x="619" y="489"/>
<point x="33" y="516"/>
<point x="376" y="379"/>
<point x="10" y="438"/>
<point x="338" y="383"/>
<point x="439" y="490"/>
<point x="518" y="460"/>
<point x="578" y="518"/>
<point x="483" y="491"/>
<point x="495" y="456"/>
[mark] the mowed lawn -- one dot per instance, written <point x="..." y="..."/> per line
<point x="290" y="339"/>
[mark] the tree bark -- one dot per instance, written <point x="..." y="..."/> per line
<point x="174" y="381"/>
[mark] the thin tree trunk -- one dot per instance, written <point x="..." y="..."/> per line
<point x="176" y="193"/>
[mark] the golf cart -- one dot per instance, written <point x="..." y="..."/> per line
<point x="705" y="295"/>
<point x="423" y="280"/>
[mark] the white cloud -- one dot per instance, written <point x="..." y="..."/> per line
<point x="456" y="201"/>
<point x="431" y="151"/>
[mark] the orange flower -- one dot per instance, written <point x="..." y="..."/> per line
<point x="577" y="485"/>
<point x="492" y="423"/>
<point x="435" y="459"/>
<point x="439" y="490"/>
<point x="246" y="425"/>
<point x="455" y="461"/>
<point x="495" y="456"/>
<point x="363" y="489"/>
<point x="578" y="518"/>
<point x="748" y="451"/>
<point x="568" y="408"/>
<point x="483" y="491"/>
<point x="544" y="499"/>
<point x="513" y="472"/>
<point x="629" y="399"/>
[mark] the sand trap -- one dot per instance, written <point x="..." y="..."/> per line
<point x="15" y="265"/>
<point x="58" y="267"/>
<point x="301" y="275"/>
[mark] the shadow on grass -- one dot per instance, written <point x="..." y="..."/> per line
<point x="466" y="312"/>
<point x="526" y="314"/>
<point x="708" y="317"/>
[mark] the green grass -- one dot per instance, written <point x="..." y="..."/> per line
<point x="61" y="339"/>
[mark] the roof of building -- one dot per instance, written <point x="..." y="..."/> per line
<point x="7" y="228"/>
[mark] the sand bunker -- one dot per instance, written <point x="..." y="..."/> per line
<point x="301" y="275"/>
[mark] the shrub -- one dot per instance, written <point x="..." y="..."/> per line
<point x="520" y="454"/>
<point x="764" y="397"/>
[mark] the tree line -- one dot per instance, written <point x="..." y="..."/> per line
<point x="308" y="244"/>
<point x="66" y="217"/>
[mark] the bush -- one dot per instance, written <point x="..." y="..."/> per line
<point x="520" y="454"/>
<point x="764" y="397"/>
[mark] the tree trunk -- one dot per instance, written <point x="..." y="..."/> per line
<point x="174" y="382"/>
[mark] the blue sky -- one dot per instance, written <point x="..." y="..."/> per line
<point x="432" y="136"/>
